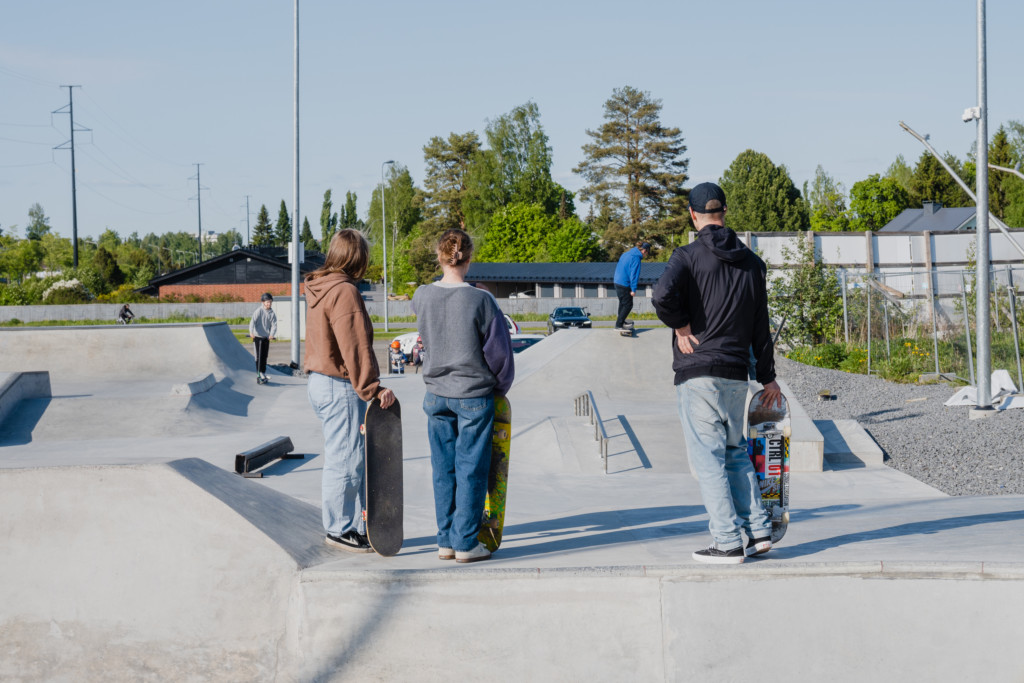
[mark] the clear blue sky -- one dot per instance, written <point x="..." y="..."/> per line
<point x="166" y="85"/>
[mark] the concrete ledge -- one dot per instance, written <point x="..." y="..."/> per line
<point x="807" y="445"/>
<point x="17" y="386"/>
<point x="847" y="442"/>
<point x="196" y="386"/>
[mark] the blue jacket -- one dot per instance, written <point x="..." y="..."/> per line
<point x="627" y="271"/>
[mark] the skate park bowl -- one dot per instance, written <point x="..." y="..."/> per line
<point x="143" y="556"/>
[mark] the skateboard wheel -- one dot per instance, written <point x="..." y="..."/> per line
<point x="752" y="433"/>
<point x="787" y="431"/>
<point x="362" y="429"/>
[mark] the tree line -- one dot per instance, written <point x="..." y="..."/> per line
<point x="499" y="188"/>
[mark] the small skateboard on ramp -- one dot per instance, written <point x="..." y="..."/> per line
<point x="769" y="429"/>
<point x="382" y="430"/>
<point x="497" y="480"/>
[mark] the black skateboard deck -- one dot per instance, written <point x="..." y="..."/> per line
<point x="384" y="493"/>
<point x="769" y="429"/>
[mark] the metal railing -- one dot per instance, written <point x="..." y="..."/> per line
<point x="586" y="406"/>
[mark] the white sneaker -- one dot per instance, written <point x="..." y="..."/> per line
<point x="477" y="554"/>
<point x="445" y="554"/>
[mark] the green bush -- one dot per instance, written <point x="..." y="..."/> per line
<point x="66" y="292"/>
<point x="856" y="361"/>
<point x="823" y="356"/>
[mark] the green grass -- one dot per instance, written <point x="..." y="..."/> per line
<point x="139" y="320"/>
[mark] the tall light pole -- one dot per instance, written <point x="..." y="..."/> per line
<point x="984" y="404"/>
<point x="295" y="208"/>
<point x="384" y="240"/>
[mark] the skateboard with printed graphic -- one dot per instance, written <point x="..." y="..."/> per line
<point x="382" y="431"/>
<point x="497" y="479"/>
<point x="769" y="429"/>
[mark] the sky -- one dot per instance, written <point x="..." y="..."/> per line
<point x="165" y="86"/>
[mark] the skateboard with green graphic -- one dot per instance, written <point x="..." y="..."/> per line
<point x="497" y="479"/>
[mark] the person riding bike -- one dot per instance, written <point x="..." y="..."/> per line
<point x="125" y="315"/>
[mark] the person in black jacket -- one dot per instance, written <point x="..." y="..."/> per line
<point x="713" y="294"/>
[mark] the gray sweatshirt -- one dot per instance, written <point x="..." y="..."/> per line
<point x="263" y="323"/>
<point x="468" y="347"/>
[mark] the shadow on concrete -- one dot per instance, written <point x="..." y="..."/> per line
<point x="931" y="526"/>
<point x="18" y="427"/>
<point x="223" y="398"/>
<point x="293" y="525"/>
<point x="596" y="529"/>
<point x="279" y="468"/>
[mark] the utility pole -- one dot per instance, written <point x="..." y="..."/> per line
<point x="199" y="210"/>
<point x="247" y="214"/>
<point x="71" y="145"/>
<point x="295" y="206"/>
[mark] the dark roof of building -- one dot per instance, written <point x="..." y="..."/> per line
<point x="551" y="273"/>
<point x="934" y="218"/>
<point x="276" y="257"/>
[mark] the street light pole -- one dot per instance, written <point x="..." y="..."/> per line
<point x="384" y="240"/>
<point x="984" y="402"/>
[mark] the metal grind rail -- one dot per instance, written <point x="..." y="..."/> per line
<point x="586" y="406"/>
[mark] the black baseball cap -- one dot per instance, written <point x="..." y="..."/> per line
<point x="707" y="198"/>
<point x="646" y="246"/>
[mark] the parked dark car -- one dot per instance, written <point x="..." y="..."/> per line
<point x="569" y="316"/>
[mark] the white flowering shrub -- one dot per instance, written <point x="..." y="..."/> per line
<point x="66" y="292"/>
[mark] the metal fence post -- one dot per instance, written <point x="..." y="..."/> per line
<point x="967" y="328"/>
<point x="1012" y="296"/>
<point x="932" y="279"/>
<point x="867" y="289"/>
<point x="846" y="320"/>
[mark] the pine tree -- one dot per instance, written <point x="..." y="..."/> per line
<point x="283" y="227"/>
<point x="263" y="232"/>
<point x="306" y="236"/>
<point x="328" y="221"/>
<point x="635" y="168"/>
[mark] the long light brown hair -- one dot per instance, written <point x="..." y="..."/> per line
<point x="349" y="253"/>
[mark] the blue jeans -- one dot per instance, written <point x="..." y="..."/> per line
<point x="341" y="411"/>
<point x="711" y="411"/>
<point x="459" y="430"/>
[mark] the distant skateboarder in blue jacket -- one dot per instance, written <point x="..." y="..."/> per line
<point x="627" y="275"/>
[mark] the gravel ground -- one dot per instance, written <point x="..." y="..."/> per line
<point x="920" y="436"/>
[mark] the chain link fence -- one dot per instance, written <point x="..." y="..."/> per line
<point x="897" y="324"/>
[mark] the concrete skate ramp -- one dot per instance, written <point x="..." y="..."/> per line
<point x="112" y="573"/>
<point x="178" y="351"/>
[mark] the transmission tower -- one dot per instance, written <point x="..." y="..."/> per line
<point x="199" y="210"/>
<point x="70" y="144"/>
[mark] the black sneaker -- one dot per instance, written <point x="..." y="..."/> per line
<point x="712" y="555"/>
<point x="758" y="546"/>
<point x="350" y="541"/>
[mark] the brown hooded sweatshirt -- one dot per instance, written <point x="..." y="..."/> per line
<point x="339" y="335"/>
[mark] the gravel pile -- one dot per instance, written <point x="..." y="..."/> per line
<point x="920" y="436"/>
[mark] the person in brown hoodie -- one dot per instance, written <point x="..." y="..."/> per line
<point x="343" y="377"/>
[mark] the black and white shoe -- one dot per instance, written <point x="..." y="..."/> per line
<point x="350" y="541"/>
<point x="712" y="555"/>
<point x="758" y="546"/>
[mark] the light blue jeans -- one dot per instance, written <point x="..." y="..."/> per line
<point x="459" y="431"/>
<point x="341" y="412"/>
<point x="711" y="411"/>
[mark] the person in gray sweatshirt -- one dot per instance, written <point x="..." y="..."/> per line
<point x="470" y="361"/>
<point x="262" y="329"/>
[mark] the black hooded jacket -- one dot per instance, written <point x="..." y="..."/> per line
<point x="718" y="287"/>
